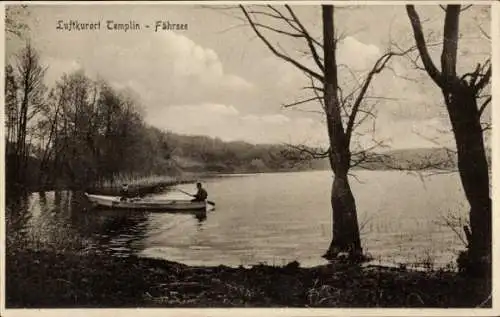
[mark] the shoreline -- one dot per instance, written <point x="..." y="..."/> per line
<point x="146" y="187"/>
<point x="45" y="279"/>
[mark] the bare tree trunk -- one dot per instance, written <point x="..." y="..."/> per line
<point x="30" y="74"/>
<point x="23" y="117"/>
<point x="345" y="228"/>
<point x="473" y="168"/>
<point x="461" y="97"/>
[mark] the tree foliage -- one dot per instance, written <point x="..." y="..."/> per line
<point x="25" y="97"/>
<point x="14" y="25"/>
<point x="83" y="132"/>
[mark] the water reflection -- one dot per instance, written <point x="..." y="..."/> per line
<point x="64" y="221"/>
<point x="268" y="218"/>
<point x="16" y="216"/>
<point x="201" y="217"/>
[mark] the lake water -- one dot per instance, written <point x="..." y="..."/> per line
<point x="260" y="218"/>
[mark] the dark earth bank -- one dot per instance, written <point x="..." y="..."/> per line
<point x="43" y="279"/>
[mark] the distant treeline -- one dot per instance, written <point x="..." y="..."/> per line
<point x="418" y="159"/>
<point x="83" y="132"/>
<point x="205" y="154"/>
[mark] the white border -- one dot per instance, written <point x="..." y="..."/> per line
<point x="188" y="312"/>
<point x="2" y="162"/>
<point x="495" y="140"/>
<point x="247" y="2"/>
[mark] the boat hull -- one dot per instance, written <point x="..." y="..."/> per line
<point x="114" y="202"/>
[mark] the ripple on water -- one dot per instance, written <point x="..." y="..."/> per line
<point x="268" y="218"/>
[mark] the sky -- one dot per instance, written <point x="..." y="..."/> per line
<point x="218" y="79"/>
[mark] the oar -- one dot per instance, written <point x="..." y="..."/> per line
<point x="208" y="201"/>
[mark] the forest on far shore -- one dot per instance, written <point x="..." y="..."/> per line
<point x="82" y="132"/>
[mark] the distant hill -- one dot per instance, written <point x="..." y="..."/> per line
<point x="201" y="153"/>
<point x="194" y="153"/>
<point x="407" y="159"/>
<point x="418" y="158"/>
<point x="175" y="154"/>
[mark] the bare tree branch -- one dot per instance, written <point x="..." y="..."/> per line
<point x="450" y="43"/>
<point x="312" y="152"/>
<point x="483" y="32"/>
<point x="466" y="7"/>
<point x="366" y="115"/>
<point x="278" y="16"/>
<point x="317" y="91"/>
<point x="309" y="39"/>
<point x="484" y="80"/>
<point x="311" y="111"/>
<point x="401" y="76"/>
<point x="448" y="222"/>
<point x="483" y="106"/>
<point x="295" y="35"/>
<point x="275" y="51"/>
<point x="486" y="126"/>
<point x="377" y="68"/>
<point x="281" y="16"/>
<point x="422" y="46"/>
<point x="301" y="102"/>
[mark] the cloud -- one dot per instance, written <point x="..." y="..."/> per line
<point x="413" y="133"/>
<point x="357" y="55"/>
<point x="204" y="81"/>
<point x="189" y="73"/>
<point x="227" y="123"/>
<point x="237" y="83"/>
<point x="57" y="67"/>
<point x="190" y="60"/>
<point x="164" y="68"/>
<point x="275" y="118"/>
<point x="220" y="109"/>
<point x="193" y="119"/>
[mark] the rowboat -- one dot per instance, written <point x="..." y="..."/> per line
<point x="114" y="202"/>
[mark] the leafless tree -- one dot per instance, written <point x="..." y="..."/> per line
<point x="13" y="20"/>
<point x="26" y="96"/>
<point x="344" y="110"/>
<point x="462" y="97"/>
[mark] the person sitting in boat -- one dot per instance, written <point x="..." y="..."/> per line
<point x="201" y="194"/>
<point x="124" y="192"/>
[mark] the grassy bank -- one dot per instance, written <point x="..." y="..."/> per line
<point x="140" y="186"/>
<point x="44" y="279"/>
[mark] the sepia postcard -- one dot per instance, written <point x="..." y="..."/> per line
<point x="276" y="158"/>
